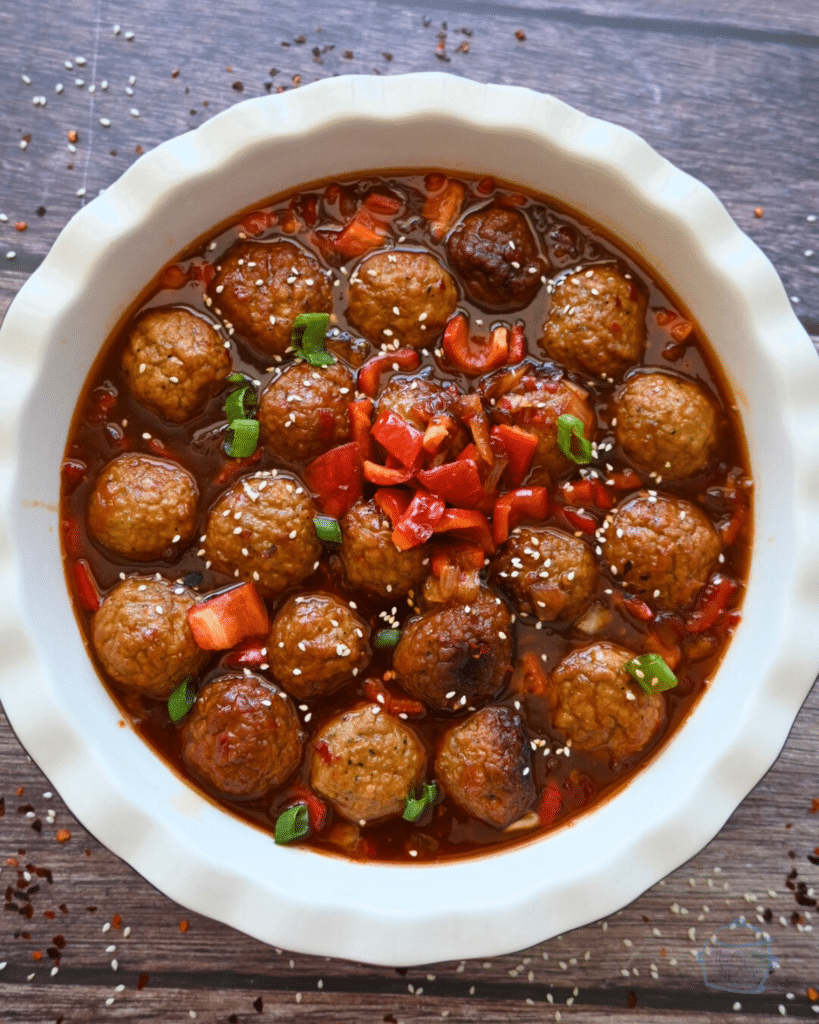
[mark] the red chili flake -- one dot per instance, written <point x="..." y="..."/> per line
<point x="59" y="941"/>
<point x="72" y="135"/>
<point x="323" y="751"/>
<point x="758" y="212"/>
<point x="814" y="807"/>
<point x="63" y="835"/>
<point x="183" y="926"/>
<point x="520" y="35"/>
<point x="21" y="790"/>
<point x="49" y="914"/>
<point x="812" y="994"/>
<point x="116" y="921"/>
<point x="20" y="225"/>
<point x="143" y="981"/>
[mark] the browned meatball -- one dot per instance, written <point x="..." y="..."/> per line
<point x="597" y="322"/>
<point x="664" y="548"/>
<point x="365" y="762"/>
<point x="174" y="361"/>
<point x="546" y="572"/>
<point x="143" y="507"/>
<point x="485" y="765"/>
<point x="404" y="297"/>
<point x="303" y="413"/>
<point x="261" y="287"/>
<point x="371" y="559"/>
<point x="534" y="403"/>
<point x="317" y="642"/>
<point x="599" y="707"/>
<point x="416" y="399"/>
<point x="496" y="258"/>
<point x="665" y="424"/>
<point x="459" y="655"/>
<point x="242" y="736"/>
<point x="142" y="637"/>
<point x="261" y="530"/>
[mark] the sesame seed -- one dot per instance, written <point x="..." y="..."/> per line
<point x="105" y="122"/>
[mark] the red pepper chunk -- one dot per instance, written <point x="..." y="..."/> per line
<point x="360" y="415"/>
<point x="417" y="524"/>
<point x="335" y="477"/>
<point x="392" y="502"/>
<point x="469" y="524"/>
<point x="258" y="221"/>
<point x="86" y="587"/>
<point x="235" y="466"/>
<point x="522" y="503"/>
<point x="550" y="803"/>
<point x="455" y="482"/>
<point x="222" y="622"/>
<point x="316" y="809"/>
<point x="461" y="554"/>
<point x="575" y="519"/>
<point x="369" y="376"/>
<point x="403" y="441"/>
<point x="519" y="446"/>
<point x="517" y="346"/>
<point x="378" y="694"/>
<point x="443" y="206"/>
<point x="252" y="654"/>
<point x="711" y="603"/>
<point x="72" y="535"/>
<point x="385" y="476"/>
<point x="378" y="203"/>
<point x="474" y="355"/>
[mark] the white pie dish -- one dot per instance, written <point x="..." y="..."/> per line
<point x="210" y="861"/>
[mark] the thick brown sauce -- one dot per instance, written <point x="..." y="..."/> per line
<point x="569" y="241"/>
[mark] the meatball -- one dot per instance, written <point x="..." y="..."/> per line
<point x="546" y="572"/>
<point x="485" y="765"/>
<point x="535" y="402"/>
<point x="174" y="361"/>
<point x="416" y="399"/>
<point x="597" y="322"/>
<point x="664" y="548"/>
<point x="142" y="637"/>
<point x="261" y="287"/>
<point x="316" y="643"/>
<point x="143" y="507"/>
<point x="404" y="297"/>
<point x="598" y="706"/>
<point x="458" y="655"/>
<point x="365" y="762"/>
<point x="242" y="736"/>
<point x="303" y="413"/>
<point x="496" y="258"/>
<point x="276" y="544"/>
<point x="371" y="559"/>
<point x="665" y="424"/>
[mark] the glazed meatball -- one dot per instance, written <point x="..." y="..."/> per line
<point x="317" y="642"/>
<point x="416" y="399"/>
<point x="303" y="413"/>
<point x="142" y="637"/>
<point x="261" y="287"/>
<point x="485" y="765"/>
<point x="596" y="323"/>
<point x="495" y="256"/>
<point x="174" y="361"/>
<point x="664" y="548"/>
<point x="546" y="572"/>
<point x="666" y="425"/>
<point x="458" y="655"/>
<point x="413" y="283"/>
<point x="365" y="762"/>
<point x="276" y="546"/>
<point x="598" y="706"/>
<point x="371" y="559"/>
<point x="143" y="507"/>
<point x="535" y="402"/>
<point x="242" y="736"/>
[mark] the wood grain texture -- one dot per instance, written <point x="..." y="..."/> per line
<point x="722" y="89"/>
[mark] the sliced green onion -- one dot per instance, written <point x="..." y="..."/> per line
<point x="236" y="378"/>
<point x="308" y="335"/>
<point x="182" y="700"/>
<point x="327" y="528"/>
<point x="569" y="427"/>
<point x="415" y="807"/>
<point x="651" y="673"/>
<point x="386" y="638"/>
<point x="244" y="440"/>
<point x="291" y="825"/>
<point x="240" y="403"/>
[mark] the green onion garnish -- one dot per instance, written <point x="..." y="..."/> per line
<point x="308" y="335"/>
<point x="414" y="808"/>
<point x="386" y="638"/>
<point x="236" y="378"/>
<point x="240" y="403"/>
<point x="244" y="440"/>
<point x="569" y="427"/>
<point x="291" y="825"/>
<point x="651" y="672"/>
<point x="327" y="529"/>
<point x="182" y="700"/>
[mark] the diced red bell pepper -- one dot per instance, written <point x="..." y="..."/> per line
<point x="485" y="187"/>
<point x="356" y="239"/>
<point x="235" y="468"/>
<point x="385" y="476"/>
<point x="443" y="207"/>
<point x="251" y="654"/>
<point x="86" y="586"/>
<point x="679" y="328"/>
<point x="519" y="446"/>
<point x="257" y="222"/>
<point x="530" y="675"/>
<point x="634" y="606"/>
<point x="360" y="416"/>
<point x="474" y="355"/>
<point x="222" y="622"/>
<point x="471" y="411"/>
<point x="660" y="642"/>
<point x="378" y="694"/>
<point x="378" y="203"/>
<point x="512" y="199"/>
<point x="417" y="524"/>
<point x="459" y="553"/>
<point x="72" y="534"/>
<point x="730" y="530"/>
<point x="624" y="480"/>
<point x="173" y="277"/>
<point x="574" y="519"/>
<point x="158" y="448"/>
<point x="316" y="808"/>
<point x="455" y="482"/>
<point x="392" y="502"/>
<point x="335" y="477"/>
<point x="202" y="272"/>
<point x="590" y="491"/>
<point x="517" y="346"/>
<point x="512" y="507"/>
<point x="469" y="524"/>
<point x="73" y="472"/>
<point x="469" y="453"/>
<point x="550" y="803"/>
<point x="403" y="441"/>
<point x="369" y="376"/>
<point x="713" y="600"/>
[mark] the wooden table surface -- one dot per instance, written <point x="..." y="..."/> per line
<point x="727" y="90"/>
